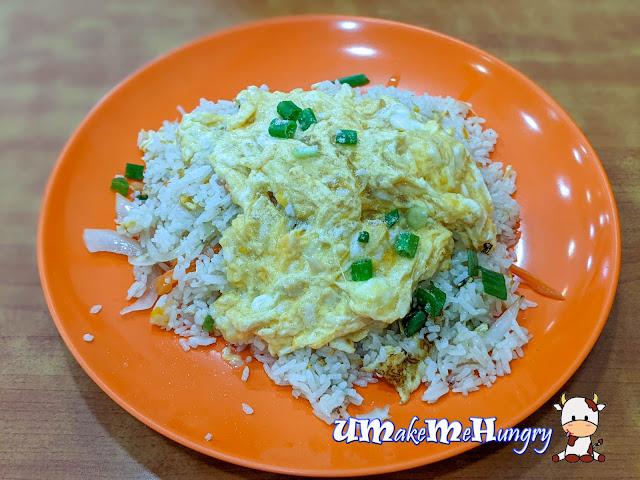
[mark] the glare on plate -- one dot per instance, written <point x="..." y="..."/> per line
<point x="565" y="191"/>
<point x="348" y="25"/>
<point x="577" y="155"/>
<point x="520" y="247"/>
<point x="531" y="122"/>
<point x="480" y="68"/>
<point x="605" y="268"/>
<point x="361" y="51"/>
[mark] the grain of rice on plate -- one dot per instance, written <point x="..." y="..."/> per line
<point x="333" y="232"/>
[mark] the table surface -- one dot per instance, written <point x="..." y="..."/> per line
<point x="59" y="57"/>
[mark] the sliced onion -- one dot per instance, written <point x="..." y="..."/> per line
<point x="123" y="206"/>
<point x="379" y="413"/>
<point x="504" y="323"/>
<point x="99" y="240"/>
<point x="145" y="302"/>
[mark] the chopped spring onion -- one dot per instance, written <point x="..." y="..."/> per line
<point x="412" y="323"/>
<point x="347" y="137"/>
<point x="306" y="118"/>
<point x="363" y="237"/>
<point x="120" y="185"/>
<point x="301" y="152"/>
<point x="391" y="218"/>
<point x="282" y="128"/>
<point x="207" y="325"/>
<point x="133" y="171"/>
<point x="407" y="245"/>
<point x="361" y="270"/>
<point x="288" y="110"/>
<point x="142" y="197"/>
<point x="472" y="263"/>
<point x="431" y="300"/>
<point x="355" y="80"/>
<point x="494" y="283"/>
<point x="417" y="217"/>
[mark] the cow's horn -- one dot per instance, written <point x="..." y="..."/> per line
<point x="595" y="398"/>
<point x="563" y="398"/>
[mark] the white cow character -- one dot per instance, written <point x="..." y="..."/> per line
<point x="579" y="421"/>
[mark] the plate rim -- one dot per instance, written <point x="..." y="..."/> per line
<point x="254" y="464"/>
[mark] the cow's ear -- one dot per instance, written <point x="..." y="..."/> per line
<point x="601" y="406"/>
<point x="557" y="406"/>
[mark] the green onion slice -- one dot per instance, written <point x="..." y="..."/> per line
<point x="306" y="119"/>
<point x="355" y="80"/>
<point x="288" y="110"/>
<point x="363" y="237"/>
<point x="361" y="270"/>
<point x="347" y="137"/>
<point x="391" y="218"/>
<point x="472" y="263"/>
<point x="412" y="323"/>
<point x="301" y="152"/>
<point x="494" y="283"/>
<point x="133" y="171"/>
<point x="282" y="128"/>
<point x="207" y="325"/>
<point x="431" y="300"/>
<point x="417" y="217"/>
<point x="120" y="185"/>
<point x="142" y="197"/>
<point x="407" y="245"/>
<point x="441" y="299"/>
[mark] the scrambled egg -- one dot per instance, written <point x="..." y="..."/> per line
<point x="401" y="370"/>
<point x="288" y="255"/>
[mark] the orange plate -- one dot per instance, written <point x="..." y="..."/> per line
<point x="570" y="238"/>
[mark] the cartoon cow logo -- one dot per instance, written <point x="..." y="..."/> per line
<point x="579" y="421"/>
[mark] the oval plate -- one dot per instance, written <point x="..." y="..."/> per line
<point x="569" y="237"/>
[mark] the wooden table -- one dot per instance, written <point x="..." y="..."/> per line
<point x="57" y="58"/>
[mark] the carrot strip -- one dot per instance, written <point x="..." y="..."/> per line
<point x="165" y="283"/>
<point x="191" y="267"/>
<point x="393" y="81"/>
<point x="536" y="284"/>
<point x="136" y="185"/>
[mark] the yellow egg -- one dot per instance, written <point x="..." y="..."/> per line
<point x="292" y="284"/>
<point x="159" y="317"/>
